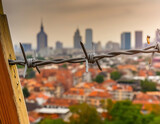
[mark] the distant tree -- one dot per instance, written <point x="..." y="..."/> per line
<point x="155" y="109"/>
<point x="20" y="66"/>
<point x="134" y="72"/>
<point x="29" y="56"/>
<point x="40" y="58"/>
<point x="156" y="120"/>
<point x="148" y="86"/>
<point x="26" y="92"/>
<point x="99" y="78"/>
<point x="115" y="75"/>
<point x="64" y="66"/>
<point x="51" y="121"/>
<point x="124" y="112"/>
<point x="84" y="114"/>
<point x="30" y="73"/>
<point x="112" y="66"/>
<point x="107" y="104"/>
<point x="158" y="73"/>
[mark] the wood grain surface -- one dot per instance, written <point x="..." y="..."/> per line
<point x="12" y="106"/>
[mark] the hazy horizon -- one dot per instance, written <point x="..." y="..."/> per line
<point x="108" y="19"/>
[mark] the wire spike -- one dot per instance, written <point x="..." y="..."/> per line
<point x="84" y="50"/>
<point x="25" y="59"/>
<point x="98" y="65"/>
<point x="38" y="69"/>
<point x="24" y="55"/>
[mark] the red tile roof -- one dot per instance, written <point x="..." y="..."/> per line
<point x="154" y="93"/>
<point x="131" y="67"/>
<point x="122" y="87"/>
<point x="108" y="82"/>
<point x="33" y="116"/>
<point x="37" y="95"/>
<point x="60" y="102"/>
<point x="145" y="73"/>
<point x="48" y="85"/>
<point x="143" y="98"/>
<point x="102" y="94"/>
<point x="62" y="76"/>
<point x="94" y="71"/>
<point x="31" y="119"/>
<point x="156" y="65"/>
<point x="89" y="85"/>
<point x="75" y="91"/>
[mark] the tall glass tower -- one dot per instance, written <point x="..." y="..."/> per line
<point x="89" y="39"/>
<point x="138" y="39"/>
<point x="126" y="40"/>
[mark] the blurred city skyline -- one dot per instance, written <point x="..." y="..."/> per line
<point x="61" y="18"/>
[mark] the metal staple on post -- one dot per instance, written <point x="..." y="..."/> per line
<point x="89" y="58"/>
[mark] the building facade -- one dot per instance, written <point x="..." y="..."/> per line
<point x="138" y="39"/>
<point x="112" y="46"/>
<point x="42" y="39"/>
<point x="126" y="40"/>
<point x="89" y="39"/>
<point x="59" y="45"/>
<point x="77" y="38"/>
<point x="97" y="46"/>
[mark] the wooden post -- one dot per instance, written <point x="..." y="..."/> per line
<point x="1" y="7"/>
<point x="12" y="105"/>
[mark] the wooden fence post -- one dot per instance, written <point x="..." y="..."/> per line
<point x="12" y="106"/>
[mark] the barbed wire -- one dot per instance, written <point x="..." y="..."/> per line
<point x="89" y="58"/>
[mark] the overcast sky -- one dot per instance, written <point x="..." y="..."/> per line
<point x="107" y="18"/>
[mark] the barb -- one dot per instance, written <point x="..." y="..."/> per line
<point x="89" y="58"/>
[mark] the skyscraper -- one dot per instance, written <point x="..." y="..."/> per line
<point x="126" y="40"/>
<point x="41" y="39"/>
<point x="89" y="39"/>
<point x="98" y="46"/>
<point x="138" y="39"/>
<point x="59" y="45"/>
<point x="77" y="38"/>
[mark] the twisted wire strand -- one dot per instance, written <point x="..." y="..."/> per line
<point x="128" y="52"/>
<point x="92" y="58"/>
